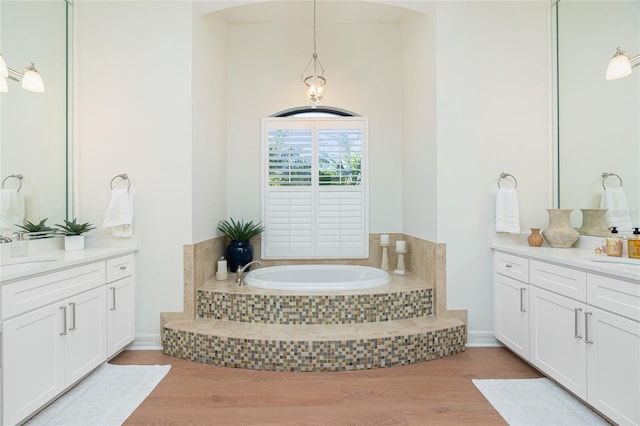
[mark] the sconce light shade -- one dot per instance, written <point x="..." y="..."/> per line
<point x="619" y="66"/>
<point x="31" y="80"/>
<point x="3" y="85"/>
<point x="4" y="70"/>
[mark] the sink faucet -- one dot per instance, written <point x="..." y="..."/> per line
<point x="5" y="240"/>
<point x="241" y="269"/>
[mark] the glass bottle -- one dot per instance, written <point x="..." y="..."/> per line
<point x="614" y="243"/>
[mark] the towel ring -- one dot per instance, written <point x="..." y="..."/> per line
<point x="19" y="177"/>
<point x="122" y="176"/>
<point x="506" y="175"/>
<point x="605" y="175"/>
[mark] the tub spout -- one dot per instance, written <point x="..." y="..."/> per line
<point x="241" y="269"/>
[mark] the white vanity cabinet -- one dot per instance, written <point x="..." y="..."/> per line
<point x="58" y="327"/>
<point x="512" y="298"/>
<point x="120" y="303"/>
<point x="584" y="331"/>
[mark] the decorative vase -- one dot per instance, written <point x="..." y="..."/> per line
<point x="559" y="232"/>
<point x="594" y="222"/>
<point x="535" y="239"/>
<point x="73" y="242"/>
<point x="239" y="253"/>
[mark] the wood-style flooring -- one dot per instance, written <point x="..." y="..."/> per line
<point x="436" y="392"/>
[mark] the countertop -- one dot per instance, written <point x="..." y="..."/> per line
<point x="15" y="268"/>
<point x="580" y="258"/>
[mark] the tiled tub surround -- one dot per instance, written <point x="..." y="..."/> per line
<point x="403" y="322"/>
<point x="407" y="298"/>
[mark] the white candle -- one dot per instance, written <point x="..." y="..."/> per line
<point x="222" y="265"/>
<point x="401" y="245"/>
<point x="384" y="239"/>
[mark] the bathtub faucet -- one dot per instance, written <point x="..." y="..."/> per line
<point x="241" y="269"/>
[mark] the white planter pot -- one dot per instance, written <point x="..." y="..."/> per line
<point x="74" y="242"/>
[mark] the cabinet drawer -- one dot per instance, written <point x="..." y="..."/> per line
<point x="120" y="267"/>
<point x="22" y="296"/>
<point x="511" y="266"/>
<point x="614" y="295"/>
<point x="565" y="281"/>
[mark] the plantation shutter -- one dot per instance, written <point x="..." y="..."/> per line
<point x="314" y="197"/>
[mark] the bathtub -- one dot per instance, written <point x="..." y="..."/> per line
<point x="317" y="277"/>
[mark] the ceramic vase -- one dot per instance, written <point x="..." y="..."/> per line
<point x="559" y="232"/>
<point x="535" y="239"/>
<point x="73" y="242"/>
<point x="239" y="253"/>
<point x="594" y="222"/>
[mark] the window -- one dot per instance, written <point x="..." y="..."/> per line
<point x="315" y="188"/>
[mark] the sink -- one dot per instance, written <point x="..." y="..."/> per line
<point x="626" y="261"/>
<point x="26" y="263"/>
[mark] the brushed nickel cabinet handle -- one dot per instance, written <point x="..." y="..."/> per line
<point x="113" y="298"/>
<point x="586" y="327"/>
<point x="73" y="316"/>
<point x="576" y="313"/>
<point x="522" y="290"/>
<point x="122" y="268"/>
<point x="64" y="317"/>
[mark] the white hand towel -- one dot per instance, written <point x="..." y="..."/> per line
<point x="507" y="211"/>
<point x="12" y="209"/>
<point x="615" y="200"/>
<point x="119" y="213"/>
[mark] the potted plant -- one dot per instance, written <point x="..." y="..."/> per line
<point x="73" y="233"/>
<point x="36" y="229"/>
<point x="239" y="251"/>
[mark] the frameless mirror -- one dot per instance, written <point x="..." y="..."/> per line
<point x="598" y="121"/>
<point x="34" y="126"/>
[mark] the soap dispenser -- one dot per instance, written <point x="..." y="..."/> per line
<point x="614" y="243"/>
<point x="633" y="243"/>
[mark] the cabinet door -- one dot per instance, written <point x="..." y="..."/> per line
<point x="121" y="320"/>
<point x="512" y="314"/>
<point x="557" y="339"/>
<point x="613" y="366"/>
<point x="86" y="334"/>
<point x="33" y="361"/>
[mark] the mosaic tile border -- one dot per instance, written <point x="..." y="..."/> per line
<point x="308" y="356"/>
<point x="314" y="309"/>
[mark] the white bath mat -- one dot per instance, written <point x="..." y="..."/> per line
<point x="106" y="397"/>
<point x="536" y="402"/>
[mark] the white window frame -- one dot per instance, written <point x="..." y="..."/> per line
<point x="345" y="248"/>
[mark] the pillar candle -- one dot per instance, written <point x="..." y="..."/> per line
<point x="401" y="245"/>
<point x="384" y="239"/>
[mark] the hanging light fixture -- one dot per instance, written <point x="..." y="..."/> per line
<point x="621" y="65"/>
<point x="30" y="78"/>
<point x="313" y="74"/>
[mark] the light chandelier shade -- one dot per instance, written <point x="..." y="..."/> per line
<point x="313" y="74"/>
<point x="30" y="78"/>
<point x="621" y="65"/>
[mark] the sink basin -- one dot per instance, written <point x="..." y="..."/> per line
<point x="626" y="261"/>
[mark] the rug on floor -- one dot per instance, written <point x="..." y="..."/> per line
<point x="536" y="402"/>
<point x="106" y="397"/>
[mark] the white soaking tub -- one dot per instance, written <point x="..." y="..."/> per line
<point x="317" y="277"/>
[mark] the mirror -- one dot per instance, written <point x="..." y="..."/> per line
<point x="33" y="126"/>
<point x="598" y="121"/>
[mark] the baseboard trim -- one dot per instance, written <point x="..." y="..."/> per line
<point x="482" y="339"/>
<point x="146" y="342"/>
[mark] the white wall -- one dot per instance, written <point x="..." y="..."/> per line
<point x="209" y="162"/>
<point x="493" y="103"/>
<point x="133" y="115"/>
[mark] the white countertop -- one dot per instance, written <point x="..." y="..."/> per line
<point x="14" y="268"/>
<point x="581" y="258"/>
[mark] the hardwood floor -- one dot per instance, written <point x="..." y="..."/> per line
<point x="436" y="392"/>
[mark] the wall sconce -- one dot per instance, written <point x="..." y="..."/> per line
<point x="621" y="65"/>
<point x="315" y="81"/>
<point x="30" y="78"/>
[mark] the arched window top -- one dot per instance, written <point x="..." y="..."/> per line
<point x="322" y="111"/>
